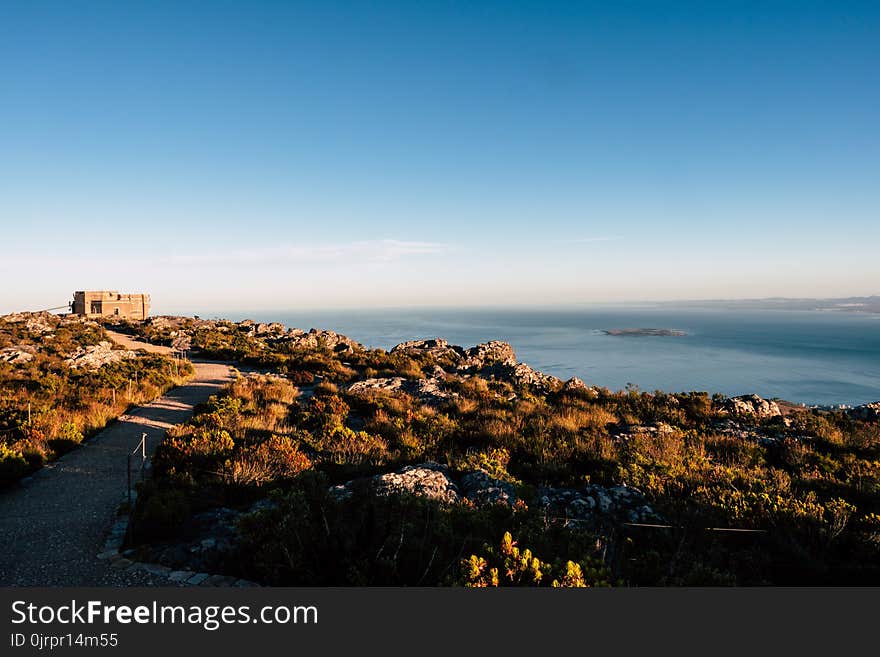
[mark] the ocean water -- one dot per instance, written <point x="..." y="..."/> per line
<point x="808" y="357"/>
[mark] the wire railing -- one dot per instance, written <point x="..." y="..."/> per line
<point x="141" y="450"/>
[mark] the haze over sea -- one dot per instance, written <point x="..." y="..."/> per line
<point x="809" y="357"/>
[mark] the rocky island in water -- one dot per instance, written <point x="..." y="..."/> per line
<point x="657" y="332"/>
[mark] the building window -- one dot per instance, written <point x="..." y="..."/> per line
<point x="96" y="308"/>
<point x="116" y="311"/>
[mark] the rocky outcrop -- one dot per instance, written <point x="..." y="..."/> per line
<point x="38" y="323"/>
<point x="315" y="339"/>
<point x="574" y="384"/>
<point x="66" y="320"/>
<point x="262" y="330"/>
<point x="17" y="355"/>
<point x="430" y="480"/>
<point x="430" y="391"/>
<point x="865" y="412"/>
<point x="595" y="504"/>
<point x="522" y="374"/>
<point x="96" y="356"/>
<point x="473" y="359"/>
<point x="436" y="348"/>
<point x="590" y="506"/>
<point x="494" y="359"/>
<point x="181" y="343"/>
<point x="752" y="405"/>
<point x="489" y="353"/>
<point x="275" y="333"/>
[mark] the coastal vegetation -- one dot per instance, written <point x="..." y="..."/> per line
<point x="429" y="464"/>
<point x="61" y="380"/>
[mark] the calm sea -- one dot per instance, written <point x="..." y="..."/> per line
<point x="809" y="357"/>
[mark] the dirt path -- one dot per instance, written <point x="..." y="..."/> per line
<point x="130" y="343"/>
<point x="52" y="527"/>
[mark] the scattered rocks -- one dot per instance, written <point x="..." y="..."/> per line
<point x="163" y="322"/>
<point x="735" y="430"/>
<point x="38" y="323"/>
<point x="590" y="506"/>
<point x="66" y="320"/>
<point x="207" y="543"/>
<point x="753" y="405"/>
<point x="17" y="355"/>
<point x="273" y="328"/>
<point x="275" y="333"/>
<point x="93" y="357"/>
<point x="473" y="359"/>
<point x="182" y="343"/>
<point x="866" y="412"/>
<point x="482" y="489"/>
<point x="629" y="431"/>
<point x="595" y="504"/>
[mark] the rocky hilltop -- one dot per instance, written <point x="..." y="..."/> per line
<point x="327" y="462"/>
<point x="492" y="360"/>
<point x="26" y="335"/>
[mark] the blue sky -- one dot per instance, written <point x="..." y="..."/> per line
<point x="260" y="155"/>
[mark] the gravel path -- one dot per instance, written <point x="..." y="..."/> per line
<point x="53" y="526"/>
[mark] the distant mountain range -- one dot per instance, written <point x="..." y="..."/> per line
<point x="848" y="304"/>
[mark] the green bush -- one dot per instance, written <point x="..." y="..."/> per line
<point x="13" y="465"/>
<point x="511" y="565"/>
<point x="161" y="513"/>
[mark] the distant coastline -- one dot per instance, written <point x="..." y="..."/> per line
<point x="864" y="305"/>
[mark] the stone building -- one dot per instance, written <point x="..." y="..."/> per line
<point x="107" y="303"/>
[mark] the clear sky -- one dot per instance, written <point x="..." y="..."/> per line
<point x="262" y="155"/>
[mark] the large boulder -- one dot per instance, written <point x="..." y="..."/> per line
<point x="96" y="356"/>
<point x="575" y="384"/>
<point x="488" y="353"/>
<point x="429" y="391"/>
<point x="430" y="480"/>
<point x="752" y="405"/>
